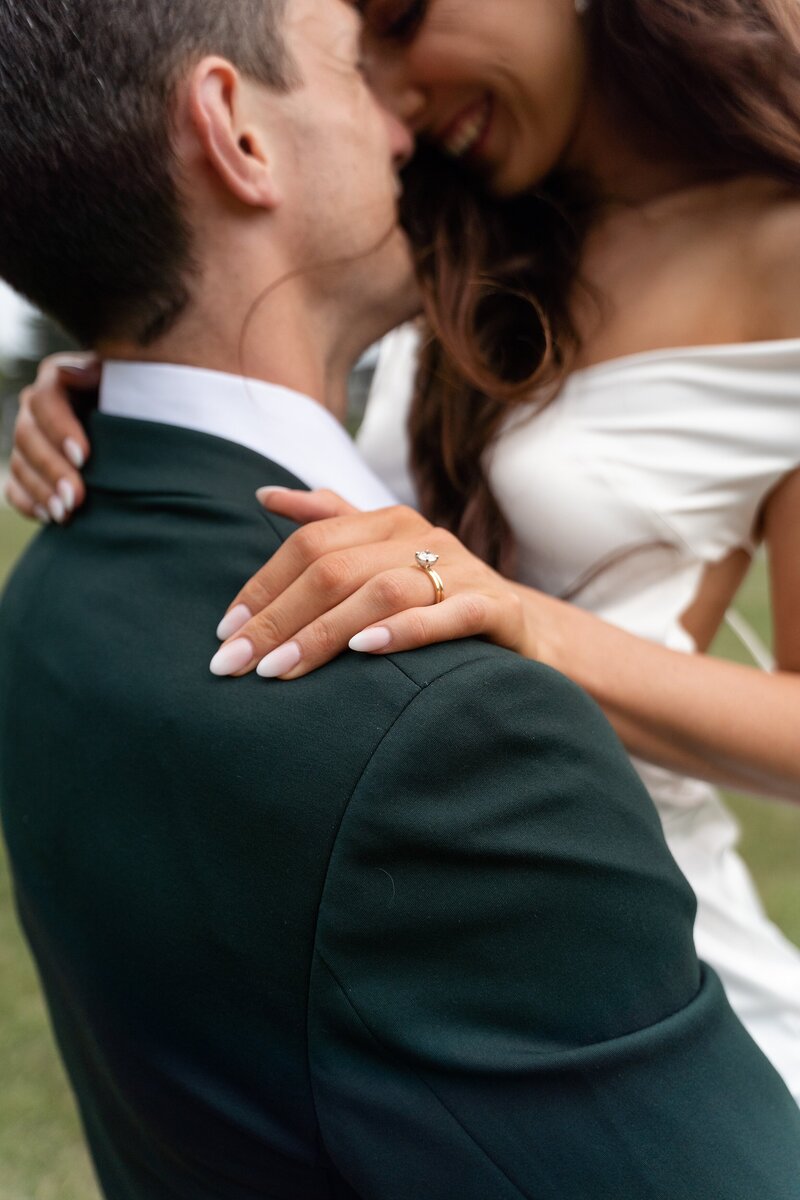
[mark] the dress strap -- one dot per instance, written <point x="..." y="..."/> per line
<point x="752" y="643"/>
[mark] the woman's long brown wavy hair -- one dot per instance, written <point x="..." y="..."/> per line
<point x="714" y="83"/>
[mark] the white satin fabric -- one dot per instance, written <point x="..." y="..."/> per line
<point x="643" y="472"/>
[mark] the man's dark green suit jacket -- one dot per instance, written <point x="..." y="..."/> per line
<point x="406" y="929"/>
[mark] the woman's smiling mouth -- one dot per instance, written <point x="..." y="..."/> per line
<point x="467" y="132"/>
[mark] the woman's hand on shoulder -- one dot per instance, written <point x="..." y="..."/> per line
<point x="50" y="445"/>
<point x="348" y="578"/>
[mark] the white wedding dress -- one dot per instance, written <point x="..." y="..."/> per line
<point x="643" y="472"/>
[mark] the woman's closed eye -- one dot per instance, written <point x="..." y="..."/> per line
<point x="394" y="20"/>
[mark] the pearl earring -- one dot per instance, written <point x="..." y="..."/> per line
<point x="581" y="6"/>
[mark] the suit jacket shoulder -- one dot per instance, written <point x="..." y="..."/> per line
<point x="506" y="999"/>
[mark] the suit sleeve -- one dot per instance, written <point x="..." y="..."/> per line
<point x="505" y="998"/>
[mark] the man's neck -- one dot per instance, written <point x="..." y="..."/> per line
<point x="270" y="345"/>
<point x="331" y="394"/>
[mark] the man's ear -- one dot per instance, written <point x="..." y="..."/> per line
<point x="234" y="146"/>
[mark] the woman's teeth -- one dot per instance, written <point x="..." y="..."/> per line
<point x="468" y="132"/>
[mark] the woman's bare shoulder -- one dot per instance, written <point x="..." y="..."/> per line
<point x="771" y="259"/>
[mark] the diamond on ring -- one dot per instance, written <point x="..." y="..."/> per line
<point x="427" y="560"/>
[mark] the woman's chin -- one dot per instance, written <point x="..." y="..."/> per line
<point x="506" y="183"/>
<point x="513" y="174"/>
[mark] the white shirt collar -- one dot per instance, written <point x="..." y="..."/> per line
<point x="284" y="426"/>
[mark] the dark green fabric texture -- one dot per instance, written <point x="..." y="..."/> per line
<point x="406" y="929"/>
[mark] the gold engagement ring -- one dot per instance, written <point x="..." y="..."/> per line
<point x="426" y="560"/>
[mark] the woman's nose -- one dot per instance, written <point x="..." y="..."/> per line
<point x="410" y="106"/>
<point x="395" y="91"/>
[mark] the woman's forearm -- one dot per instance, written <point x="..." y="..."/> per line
<point x="733" y="725"/>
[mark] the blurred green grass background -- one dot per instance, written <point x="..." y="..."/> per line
<point x="41" y="1151"/>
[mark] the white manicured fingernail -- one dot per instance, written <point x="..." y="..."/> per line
<point x="371" y="640"/>
<point x="56" y="508"/>
<point x="67" y="493"/>
<point x="263" y="494"/>
<point x="78" y="365"/>
<point x="42" y="514"/>
<point x="74" y="453"/>
<point x="233" y="621"/>
<point x="233" y="657"/>
<point x="280" y="661"/>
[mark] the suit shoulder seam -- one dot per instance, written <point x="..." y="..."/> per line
<point x="489" y="661"/>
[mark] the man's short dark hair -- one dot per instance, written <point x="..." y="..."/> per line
<point x="91" y="223"/>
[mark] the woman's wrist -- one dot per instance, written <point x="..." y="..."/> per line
<point x="543" y="637"/>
